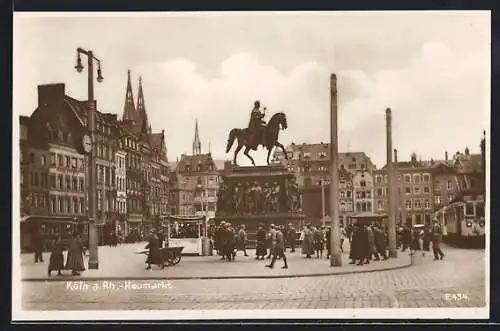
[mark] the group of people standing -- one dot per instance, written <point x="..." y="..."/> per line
<point x="74" y="259"/>
<point x="228" y="241"/>
<point x="421" y="239"/>
<point x="368" y="242"/>
<point x="316" y="239"/>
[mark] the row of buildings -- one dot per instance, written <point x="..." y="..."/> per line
<point x="136" y="186"/>
<point x="422" y="186"/>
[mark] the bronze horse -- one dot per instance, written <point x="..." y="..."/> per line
<point x="268" y="138"/>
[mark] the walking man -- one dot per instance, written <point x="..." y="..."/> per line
<point x="279" y="249"/>
<point x="437" y="236"/>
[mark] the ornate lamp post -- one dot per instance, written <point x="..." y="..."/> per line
<point x="89" y="141"/>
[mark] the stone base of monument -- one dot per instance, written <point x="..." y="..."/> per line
<point x="259" y="196"/>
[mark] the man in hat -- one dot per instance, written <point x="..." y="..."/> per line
<point x="279" y="249"/>
<point x="271" y="237"/>
<point x="437" y="236"/>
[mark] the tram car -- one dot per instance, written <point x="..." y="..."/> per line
<point x="463" y="221"/>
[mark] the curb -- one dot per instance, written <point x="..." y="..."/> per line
<point x="404" y="266"/>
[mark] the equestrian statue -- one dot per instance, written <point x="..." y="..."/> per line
<point x="258" y="133"/>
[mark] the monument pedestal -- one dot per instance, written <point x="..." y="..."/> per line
<point x="260" y="195"/>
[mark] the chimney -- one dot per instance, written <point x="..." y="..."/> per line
<point x="395" y="156"/>
<point x="446" y="156"/>
<point x="50" y="94"/>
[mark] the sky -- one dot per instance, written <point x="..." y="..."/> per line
<point x="431" y="68"/>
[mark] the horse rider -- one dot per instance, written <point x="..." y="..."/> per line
<point x="256" y="120"/>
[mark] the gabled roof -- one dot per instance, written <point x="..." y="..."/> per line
<point x="205" y="160"/>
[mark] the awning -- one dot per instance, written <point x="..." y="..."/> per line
<point x="134" y="219"/>
<point x="369" y="215"/>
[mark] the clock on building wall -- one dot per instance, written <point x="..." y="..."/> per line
<point x="87" y="143"/>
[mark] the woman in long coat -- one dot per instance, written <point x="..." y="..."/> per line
<point x="155" y="255"/>
<point x="261" y="244"/>
<point x="56" y="261"/>
<point x="308" y="242"/>
<point x="372" y="249"/>
<point x="74" y="262"/>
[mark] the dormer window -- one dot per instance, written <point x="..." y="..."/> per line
<point x="307" y="156"/>
<point x="322" y="155"/>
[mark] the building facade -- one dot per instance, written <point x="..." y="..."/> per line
<point x="363" y="192"/>
<point x="131" y="164"/>
<point x="196" y="181"/>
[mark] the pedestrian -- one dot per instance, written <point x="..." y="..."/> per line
<point x="161" y="239"/>
<point x="318" y="237"/>
<point x="427" y="238"/>
<point x="38" y="246"/>
<point x="372" y="250"/>
<point x="155" y="255"/>
<point x="56" y="260"/>
<point x="74" y="261"/>
<point x="308" y="242"/>
<point x="437" y="236"/>
<point x="271" y="237"/>
<point x="241" y="240"/>
<point x="328" y="241"/>
<point x="292" y="237"/>
<point x="405" y="238"/>
<point x="261" y="250"/>
<point x="380" y="242"/>
<point x="279" y="249"/>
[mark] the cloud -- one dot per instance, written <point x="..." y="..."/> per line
<point x="437" y="90"/>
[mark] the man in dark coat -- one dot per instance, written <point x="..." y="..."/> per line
<point x="405" y="238"/>
<point x="242" y="240"/>
<point x="261" y="250"/>
<point x="292" y="237"/>
<point x="437" y="236"/>
<point x="380" y="242"/>
<point x="56" y="261"/>
<point x="279" y="249"/>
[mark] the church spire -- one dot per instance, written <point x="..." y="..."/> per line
<point x="141" y="109"/>
<point x="196" y="141"/>
<point x="129" y="108"/>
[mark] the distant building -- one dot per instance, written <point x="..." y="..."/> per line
<point x="363" y="192"/>
<point x="310" y="163"/>
<point x="194" y="183"/>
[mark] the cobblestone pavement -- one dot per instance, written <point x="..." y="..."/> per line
<point x="457" y="281"/>
<point x="122" y="262"/>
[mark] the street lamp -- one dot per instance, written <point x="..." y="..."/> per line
<point x="91" y="128"/>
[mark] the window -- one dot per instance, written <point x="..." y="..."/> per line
<point x="427" y="204"/>
<point x="437" y="199"/>
<point x="450" y="185"/>
<point x="437" y="186"/>
<point x="407" y="178"/>
<point x="53" y="181"/>
<point x="342" y="184"/>
<point x="60" y="208"/>
<point x="450" y="198"/>
<point x="60" y="160"/>
<point x="417" y="204"/>
<point x="349" y="194"/>
<point x="53" y="205"/>
<point x="416" y="190"/>
<point x="408" y="204"/>
<point x="75" y="184"/>
<point x="427" y="189"/>
<point x="368" y="194"/>
<point x="418" y="218"/>
<point x="74" y="163"/>
<point x="407" y="190"/>
<point x="68" y="183"/>
<point x="53" y="159"/>
<point x="59" y="182"/>
<point x="427" y="178"/>
<point x="469" y="209"/>
<point x="379" y="205"/>
<point x="68" y="162"/>
<point x="380" y="192"/>
<point x="358" y="207"/>
<point x="81" y="185"/>
<point x="416" y="178"/>
<point x="342" y="194"/>
<point x="82" y="206"/>
<point x="75" y="205"/>
<point x="368" y="206"/>
<point x="43" y="160"/>
<point x="362" y="183"/>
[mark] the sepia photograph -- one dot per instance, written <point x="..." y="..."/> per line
<point x="250" y="165"/>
